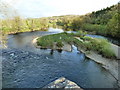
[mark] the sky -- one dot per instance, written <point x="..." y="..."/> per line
<point x="46" y="8"/>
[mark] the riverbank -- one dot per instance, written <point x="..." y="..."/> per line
<point x="111" y="64"/>
<point x="58" y="41"/>
<point x="26" y="63"/>
<point x="18" y="32"/>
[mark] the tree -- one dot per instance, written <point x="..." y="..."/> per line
<point x="112" y="26"/>
<point x="16" y="24"/>
<point x="30" y="24"/>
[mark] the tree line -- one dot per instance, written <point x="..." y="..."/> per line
<point x="104" y="22"/>
<point x="17" y="24"/>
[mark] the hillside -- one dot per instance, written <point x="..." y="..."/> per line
<point x="104" y="22"/>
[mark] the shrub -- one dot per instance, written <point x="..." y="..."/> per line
<point x="99" y="29"/>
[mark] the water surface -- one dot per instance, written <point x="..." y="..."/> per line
<point x="25" y="66"/>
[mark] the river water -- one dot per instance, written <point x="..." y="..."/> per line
<point x="25" y="66"/>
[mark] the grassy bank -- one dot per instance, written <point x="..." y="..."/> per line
<point x="50" y="40"/>
<point x="101" y="46"/>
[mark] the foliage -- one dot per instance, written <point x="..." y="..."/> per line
<point x="79" y="33"/>
<point x="101" y="46"/>
<point x="113" y="26"/>
<point x="17" y="24"/>
<point x="103" y="22"/>
<point x="98" y="29"/>
<point x="49" y="40"/>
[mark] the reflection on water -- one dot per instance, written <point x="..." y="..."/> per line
<point x="55" y="30"/>
<point x="96" y="36"/>
<point x="49" y="65"/>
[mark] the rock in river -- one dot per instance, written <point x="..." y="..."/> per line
<point x="62" y="83"/>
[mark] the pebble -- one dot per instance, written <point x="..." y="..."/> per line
<point x="12" y="54"/>
<point x="46" y="57"/>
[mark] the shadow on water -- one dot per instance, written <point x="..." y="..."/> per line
<point x="30" y="67"/>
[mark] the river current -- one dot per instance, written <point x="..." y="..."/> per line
<point x="25" y="66"/>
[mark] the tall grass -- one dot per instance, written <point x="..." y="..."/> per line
<point x="102" y="46"/>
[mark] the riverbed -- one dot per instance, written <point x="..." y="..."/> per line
<point x="25" y="66"/>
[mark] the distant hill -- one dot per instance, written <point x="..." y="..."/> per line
<point x="104" y="15"/>
<point x="104" y="22"/>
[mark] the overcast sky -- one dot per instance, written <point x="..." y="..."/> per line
<point x="44" y="8"/>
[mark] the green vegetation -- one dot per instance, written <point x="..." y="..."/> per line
<point x="79" y="33"/>
<point x="104" y="22"/>
<point x="58" y="39"/>
<point x="97" y="29"/>
<point x="113" y="25"/>
<point x="102" y="46"/>
<point x="50" y="40"/>
<point x="17" y="24"/>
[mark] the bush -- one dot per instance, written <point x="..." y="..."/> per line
<point x="98" y="29"/>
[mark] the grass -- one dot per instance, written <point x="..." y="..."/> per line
<point x="102" y="46"/>
<point x="58" y="39"/>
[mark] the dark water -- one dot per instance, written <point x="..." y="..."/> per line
<point x="35" y="68"/>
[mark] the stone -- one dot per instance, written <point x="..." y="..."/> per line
<point x="12" y="54"/>
<point x="46" y="57"/>
<point x="62" y="83"/>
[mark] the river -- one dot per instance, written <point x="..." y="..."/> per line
<point x="25" y="66"/>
